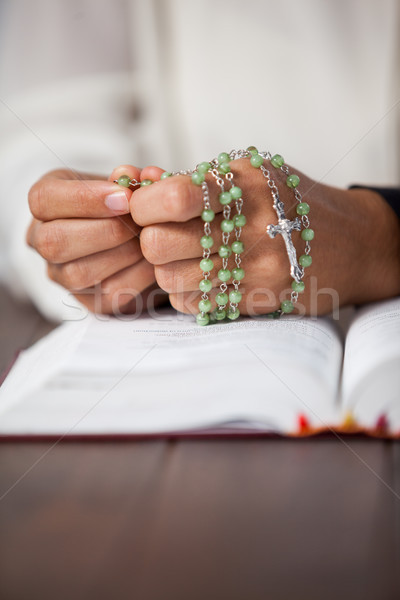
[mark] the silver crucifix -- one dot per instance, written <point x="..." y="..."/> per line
<point x="285" y="228"/>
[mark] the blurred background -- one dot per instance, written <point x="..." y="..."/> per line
<point x="90" y="84"/>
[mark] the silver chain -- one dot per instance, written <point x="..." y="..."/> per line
<point x="207" y="231"/>
<point x="226" y="213"/>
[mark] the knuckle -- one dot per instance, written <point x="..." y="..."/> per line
<point x="179" y="200"/>
<point x="98" y="299"/>
<point x="186" y="303"/>
<point x="115" y="298"/>
<point x="191" y="200"/>
<point x="86" y="301"/>
<point x="51" y="242"/>
<point x="136" y="212"/>
<point x="36" y="199"/>
<point x="174" y="301"/>
<point x="165" y="278"/>
<point x="79" y="195"/>
<point x="40" y="192"/>
<point x="116" y="231"/>
<point x="75" y="275"/>
<point x="151" y="243"/>
<point x="274" y="262"/>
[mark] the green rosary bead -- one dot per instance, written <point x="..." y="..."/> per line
<point x="224" y="251"/>
<point x="227" y="226"/>
<point x="206" y="264"/>
<point x="233" y="314"/>
<point x="287" y="306"/>
<point x="305" y="260"/>
<point x="277" y="161"/>
<point x="303" y="208"/>
<point x="225" y="198"/>
<point x="145" y="182"/>
<point x="235" y="296"/>
<point x="307" y="235"/>
<point x="208" y="215"/>
<point x="197" y="178"/>
<point x="292" y="181"/>
<point x="221" y="299"/>
<point x="223" y="157"/>
<point x="124" y="180"/>
<point x="256" y="161"/>
<point x="239" y="220"/>
<point x="203" y="167"/>
<point x="252" y="149"/>
<point x="224" y="168"/>
<point x="205" y="285"/>
<point x="219" y="314"/>
<point x="236" y="192"/>
<point x="237" y="247"/>
<point x="224" y="275"/>
<point x="238" y="273"/>
<point x="203" y="319"/>
<point x="206" y="241"/>
<point x="165" y="175"/>
<point x="204" y="306"/>
<point x="298" y="286"/>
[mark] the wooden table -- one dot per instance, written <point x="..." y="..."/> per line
<point x="221" y="519"/>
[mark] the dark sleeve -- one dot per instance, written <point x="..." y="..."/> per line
<point x="391" y="195"/>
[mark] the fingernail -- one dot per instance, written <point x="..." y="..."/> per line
<point x="117" y="202"/>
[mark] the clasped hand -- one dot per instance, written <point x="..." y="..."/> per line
<point x="131" y="246"/>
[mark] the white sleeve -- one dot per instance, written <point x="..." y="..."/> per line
<point x="68" y="100"/>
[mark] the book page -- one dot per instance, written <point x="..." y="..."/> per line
<point x="167" y="374"/>
<point x="371" y="373"/>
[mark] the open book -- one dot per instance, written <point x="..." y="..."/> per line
<point x="165" y="375"/>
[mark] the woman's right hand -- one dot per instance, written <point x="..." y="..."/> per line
<point x="82" y="227"/>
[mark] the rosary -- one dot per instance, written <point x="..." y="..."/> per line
<point x="231" y="199"/>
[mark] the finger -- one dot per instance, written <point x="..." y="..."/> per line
<point x="30" y="232"/>
<point x="130" y="170"/>
<point x="173" y="199"/>
<point x="185" y="275"/>
<point x="178" y="199"/>
<point x="88" y="271"/>
<point x="151" y="173"/>
<point x="118" y="290"/>
<point x="53" y="198"/>
<point x="261" y="269"/>
<point x="65" y="240"/>
<point x="168" y="242"/>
